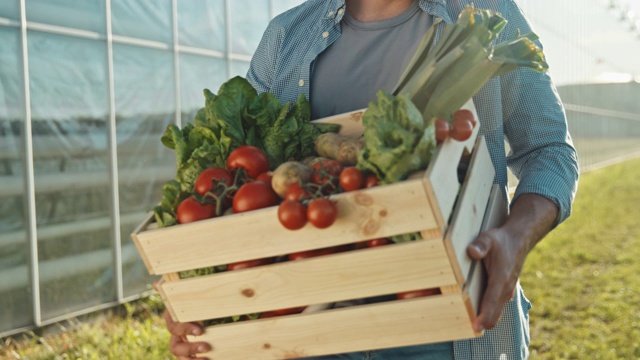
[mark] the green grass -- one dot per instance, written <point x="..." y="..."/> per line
<point x="582" y="280"/>
<point x="134" y="331"/>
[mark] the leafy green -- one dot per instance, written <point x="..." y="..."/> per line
<point x="236" y="116"/>
<point x="397" y="141"/>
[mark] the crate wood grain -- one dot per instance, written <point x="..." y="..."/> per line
<point x="448" y="216"/>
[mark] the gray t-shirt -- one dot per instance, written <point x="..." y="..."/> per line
<point x="367" y="57"/>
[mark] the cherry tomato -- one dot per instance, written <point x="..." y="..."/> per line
<point x="461" y="129"/>
<point x="322" y="212"/>
<point x="351" y="179"/>
<point x="266" y="177"/>
<point x="190" y="210"/>
<point x="295" y="191"/>
<point x="254" y="195"/>
<point x="292" y="214"/>
<point x="324" y="171"/>
<point x="310" y="253"/>
<point x="465" y="114"/>
<point x="249" y="264"/>
<point x="442" y="130"/>
<point x="379" y="242"/>
<point x="417" y="293"/>
<point x="288" y="311"/>
<point x="210" y="177"/>
<point x="250" y="158"/>
<point x="371" y="181"/>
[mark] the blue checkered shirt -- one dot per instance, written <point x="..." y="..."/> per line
<point x="522" y="107"/>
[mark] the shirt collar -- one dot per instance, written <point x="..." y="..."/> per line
<point x="437" y="8"/>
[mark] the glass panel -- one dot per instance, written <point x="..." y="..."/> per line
<point x="69" y="100"/>
<point x="245" y="39"/>
<point x="239" y="68"/>
<point x="142" y="19"/>
<point x="10" y="9"/>
<point x="85" y="15"/>
<point x="201" y="24"/>
<point x="145" y="105"/>
<point x="15" y="290"/>
<point x="280" y="6"/>
<point x="196" y="74"/>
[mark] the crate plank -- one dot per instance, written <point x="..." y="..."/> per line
<point x="365" y="214"/>
<point x="337" y="277"/>
<point x="351" y="122"/>
<point x="376" y="326"/>
<point x="469" y="212"/>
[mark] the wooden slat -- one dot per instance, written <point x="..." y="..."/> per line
<point x="365" y="214"/>
<point x="469" y="211"/>
<point x="441" y="178"/>
<point x="351" y="122"/>
<point x="377" y="326"/>
<point x="345" y="276"/>
<point x="495" y="215"/>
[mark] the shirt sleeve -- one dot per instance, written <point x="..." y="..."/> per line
<point x="542" y="155"/>
<point x="264" y="60"/>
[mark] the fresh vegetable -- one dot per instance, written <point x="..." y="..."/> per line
<point x="211" y="177"/>
<point x="461" y="129"/>
<point x="236" y="116"/>
<point x="292" y="214"/>
<point x="326" y="173"/>
<point x="250" y="158"/>
<point x="289" y="173"/>
<point x="310" y="253"/>
<point x="191" y="209"/>
<point x="370" y="181"/>
<point x="322" y="212"/>
<point x="266" y="177"/>
<point x="344" y="149"/>
<point x="351" y="179"/>
<point x="249" y="264"/>
<point x="295" y="191"/>
<point x="254" y="195"/>
<point x="443" y="76"/>
<point x="417" y="293"/>
<point x="442" y="130"/>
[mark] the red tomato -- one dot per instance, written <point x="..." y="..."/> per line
<point x="292" y="214"/>
<point x="190" y="210"/>
<point x="378" y="242"/>
<point x="310" y="253"/>
<point x="461" y="129"/>
<point x="351" y="179"/>
<point x="210" y="177"/>
<point x="322" y="212"/>
<point x="295" y="191"/>
<point x="464" y="114"/>
<point x="266" y="177"/>
<point x="371" y="181"/>
<point x="442" y="130"/>
<point x="326" y="170"/>
<point x="288" y="311"/>
<point x="250" y="158"/>
<point x="254" y="195"/>
<point x="248" y="264"/>
<point x="417" y="293"/>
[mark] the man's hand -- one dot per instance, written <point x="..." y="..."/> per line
<point x="505" y="249"/>
<point x="179" y="345"/>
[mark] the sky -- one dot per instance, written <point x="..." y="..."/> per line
<point x="588" y="40"/>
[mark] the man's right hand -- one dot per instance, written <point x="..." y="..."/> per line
<point x="179" y="344"/>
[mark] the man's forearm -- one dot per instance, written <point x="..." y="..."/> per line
<point x="532" y="217"/>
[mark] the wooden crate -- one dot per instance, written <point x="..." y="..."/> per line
<point x="424" y="204"/>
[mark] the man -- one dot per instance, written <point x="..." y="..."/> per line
<point x="339" y="53"/>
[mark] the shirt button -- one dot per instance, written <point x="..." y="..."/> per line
<point x="341" y="11"/>
<point x="325" y="34"/>
<point x="301" y="82"/>
<point x="331" y="13"/>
